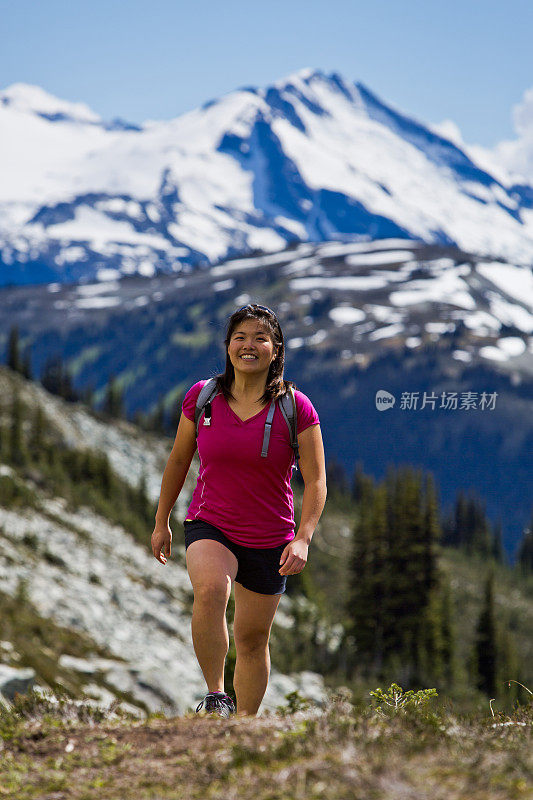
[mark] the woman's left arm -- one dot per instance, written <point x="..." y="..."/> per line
<point x="313" y="468"/>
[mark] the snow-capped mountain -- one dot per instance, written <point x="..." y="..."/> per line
<point x="312" y="157"/>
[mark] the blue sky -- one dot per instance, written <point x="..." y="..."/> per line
<point x="465" y="60"/>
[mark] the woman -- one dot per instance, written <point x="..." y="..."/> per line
<point x="239" y="527"/>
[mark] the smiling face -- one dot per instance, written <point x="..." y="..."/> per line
<point x="251" y="338"/>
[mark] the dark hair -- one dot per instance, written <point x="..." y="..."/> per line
<point x="276" y="385"/>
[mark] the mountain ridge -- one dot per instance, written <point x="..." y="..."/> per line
<point x="312" y="157"/>
<point x="393" y="315"/>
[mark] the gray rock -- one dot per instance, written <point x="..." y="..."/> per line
<point x="15" y="680"/>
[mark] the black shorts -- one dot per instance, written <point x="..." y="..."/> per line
<point x="258" y="568"/>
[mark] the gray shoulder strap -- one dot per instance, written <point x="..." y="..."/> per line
<point x="287" y="404"/>
<point x="207" y="393"/>
<point x="268" y="428"/>
<point x="288" y="409"/>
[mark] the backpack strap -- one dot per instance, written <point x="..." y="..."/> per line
<point x="287" y="404"/>
<point x="207" y="393"/>
<point x="268" y="427"/>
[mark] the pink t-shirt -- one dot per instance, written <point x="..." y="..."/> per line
<point x="248" y="497"/>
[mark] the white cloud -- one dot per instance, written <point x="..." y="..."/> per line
<point x="484" y="158"/>
<point x="492" y="162"/>
<point x="509" y="161"/>
<point x="516" y="156"/>
<point x="450" y="130"/>
<point x="523" y="114"/>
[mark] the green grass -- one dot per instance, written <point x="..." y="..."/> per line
<point x="348" y="750"/>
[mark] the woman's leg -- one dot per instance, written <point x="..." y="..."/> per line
<point x="254" y="614"/>
<point x="212" y="568"/>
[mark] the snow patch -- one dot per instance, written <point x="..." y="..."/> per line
<point x="346" y="315"/>
<point x="512" y="345"/>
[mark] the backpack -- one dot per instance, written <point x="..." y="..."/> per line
<point x="287" y="405"/>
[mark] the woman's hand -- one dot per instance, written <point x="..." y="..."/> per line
<point x="294" y="557"/>
<point x="161" y="537"/>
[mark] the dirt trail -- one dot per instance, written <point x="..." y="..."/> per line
<point x="334" y="755"/>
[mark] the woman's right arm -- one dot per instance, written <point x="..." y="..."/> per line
<point x="176" y="470"/>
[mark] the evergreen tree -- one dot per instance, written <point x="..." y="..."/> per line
<point x="13" y="350"/>
<point x="394" y="615"/>
<point x="37" y="431"/>
<point x="17" y="452"/>
<point x="433" y="642"/>
<point x="468" y="526"/>
<point x="460" y="526"/>
<point x="51" y="375"/>
<point x="524" y="558"/>
<point x="432" y="532"/>
<point x="336" y="477"/>
<point x="448" y="529"/>
<point x="157" y="420"/>
<point x="139" y="419"/>
<point x="143" y="503"/>
<point x="448" y="635"/>
<point x="486" y="656"/>
<point x="105" y="475"/>
<point x="175" y="413"/>
<point x="479" y="533"/>
<point x="430" y="663"/>
<point x="361" y="639"/>
<point x="359" y="479"/>
<point x="378" y="578"/>
<point x="498" y="550"/>
<point x="56" y="379"/>
<point x="68" y="392"/>
<point x="87" y="396"/>
<point x="113" y="401"/>
<point x="26" y="364"/>
<point x="407" y="575"/>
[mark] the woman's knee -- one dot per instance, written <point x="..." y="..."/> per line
<point x="212" y="569"/>
<point x="253" y="645"/>
<point x="212" y="592"/>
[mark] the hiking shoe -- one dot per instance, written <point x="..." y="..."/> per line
<point x="217" y="703"/>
